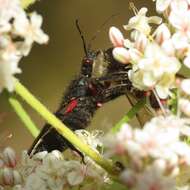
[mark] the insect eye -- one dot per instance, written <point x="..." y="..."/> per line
<point x="88" y="61"/>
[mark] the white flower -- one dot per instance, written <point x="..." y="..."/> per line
<point x="140" y="41"/>
<point x="164" y="85"/>
<point x="162" y="5"/>
<point x="76" y="174"/>
<point x="162" y="33"/>
<point x="175" y="5"/>
<point x="34" y="182"/>
<point x="8" y="68"/>
<point x="121" y="54"/>
<point x="92" y="139"/>
<point x="128" y="177"/>
<point x="14" y="24"/>
<point x="185" y="86"/>
<point x="155" y="69"/>
<point x="30" y="29"/>
<point x="8" y="10"/>
<point x="55" y="173"/>
<point x="141" y="22"/>
<point x="182" y="26"/>
<point x="184" y="106"/>
<point x="186" y="61"/>
<point x="116" y="37"/>
<point x="179" y="5"/>
<point x="152" y="178"/>
<point x="168" y="47"/>
<point x="157" y="62"/>
<point x="9" y="157"/>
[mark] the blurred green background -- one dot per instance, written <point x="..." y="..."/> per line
<point x="49" y="68"/>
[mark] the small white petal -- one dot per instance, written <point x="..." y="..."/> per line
<point x="75" y="178"/>
<point x="179" y="5"/>
<point x="162" y="33"/>
<point x="168" y="47"/>
<point x="185" y="86"/>
<point x="116" y="37"/>
<point x="162" y="5"/>
<point x="180" y="41"/>
<point x="186" y="61"/>
<point x="162" y="92"/>
<point x="121" y="54"/>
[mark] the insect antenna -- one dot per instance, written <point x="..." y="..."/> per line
<point x="82" y="36"/>
<point x="100" y="27"/>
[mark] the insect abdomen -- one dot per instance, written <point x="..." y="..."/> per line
<point x="76" y="113"/>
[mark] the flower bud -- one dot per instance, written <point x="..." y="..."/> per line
<point x="40" y="155"/>
<point x="160" y="165"/>
<point x="9" y="157"/>
<point x="162" y="33"/>
<point x="17" y="177"/>
<point x="141" y="42"/>
<point x="181" y="5"/>
<point x="7" y="176"/>
<point x="2" y="163"/>
<point x="121" y="55"/>
<point x="57" y="154"/>
<point x="185" y="86"/>
<point x="116" y="37"/>
<point x="168" y="47"/>
<point x="135" y="55"/>
<point x="128" y="178"/>
<point x="187" y="61"/>
<point x="184" y="106"/>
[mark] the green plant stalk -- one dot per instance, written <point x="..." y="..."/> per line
<point x="131" y="113"/>
<point x="63" y="130"/>
<point x="26" y="3"/>
<point x="25" y="118"/>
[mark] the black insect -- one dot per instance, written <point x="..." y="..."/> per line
<point x="101" y="79"/>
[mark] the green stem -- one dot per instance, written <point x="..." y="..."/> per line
<point x="63" y="130"/>
<point x="25" y="118"/>
<point x="26" y="3"/>
<point x="132" y="112"/>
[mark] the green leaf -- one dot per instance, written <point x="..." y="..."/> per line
<point x="173" y="101"/>
<point x="115" y="185"/>
<point x="132" y="112"/>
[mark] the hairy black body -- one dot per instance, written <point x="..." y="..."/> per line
<point x="83" y="97"/>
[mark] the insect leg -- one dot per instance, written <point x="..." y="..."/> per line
<point x="115" y="77"/>
<point x="113" y="92"/>
<point x="43" y="132"/>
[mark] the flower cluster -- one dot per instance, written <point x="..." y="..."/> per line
<point x="52" y="171"/>
<point x="157" y="156"/>
<point x="184" y="97"/>
<point x="9" y="176"/>
<point x="155" y="54"/>
<point x="18" y="31"/>
<point x="153" y="156"/>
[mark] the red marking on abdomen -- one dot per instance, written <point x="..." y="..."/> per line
<point x="71" y="106"/>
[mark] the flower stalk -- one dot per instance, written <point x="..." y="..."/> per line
<point x="25" y="118"/>
<point x="26" y="3"/>
<point x="131" y="113"/>
<point x="63" y="130"/>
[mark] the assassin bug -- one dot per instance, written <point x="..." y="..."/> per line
<point x="85" y="94"/>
